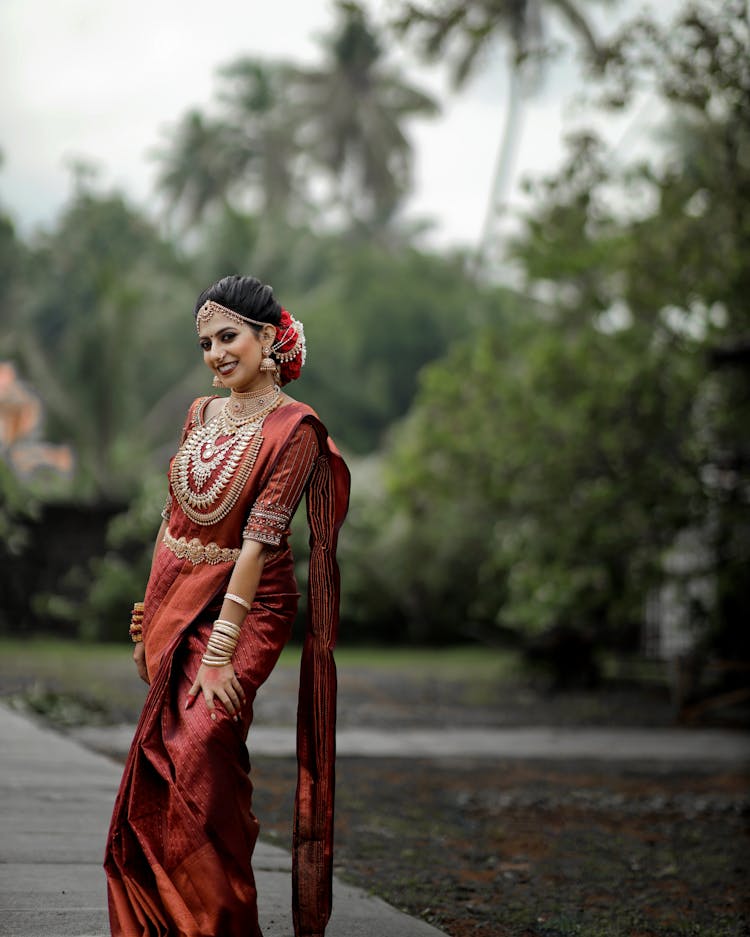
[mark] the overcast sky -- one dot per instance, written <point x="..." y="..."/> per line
<point x="103" y="80"/>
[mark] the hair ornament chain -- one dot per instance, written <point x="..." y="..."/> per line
<point x="293" y="331"/>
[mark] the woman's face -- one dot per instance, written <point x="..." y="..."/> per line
<point x="234" y="352"/>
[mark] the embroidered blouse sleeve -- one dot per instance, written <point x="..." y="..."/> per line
<point x="272" y="512"/>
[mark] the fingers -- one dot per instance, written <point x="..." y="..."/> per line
<point x="208" y="696"/>
<point x="229" y="692"/>
<point x="192" y="694"/>
<point x="238" y="688"/>
<point x="231" y="701"/>
<point x="139" y="659"/>
<point x="229" y="696"/>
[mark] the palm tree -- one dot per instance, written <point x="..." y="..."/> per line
<point x="469" y="28"/>
<point x="351" y="114"/>
<point x="193" y="173"/>
<point x="260" y="133"/>
<point x="278" y="126"/>
<point x="245" y="153"/>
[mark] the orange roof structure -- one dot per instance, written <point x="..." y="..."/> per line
<point x="20" y="428"/>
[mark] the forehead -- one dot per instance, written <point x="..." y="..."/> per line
<point x="216" y="323"/>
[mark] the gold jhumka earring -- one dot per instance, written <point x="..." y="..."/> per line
<point x="267" y="364"/>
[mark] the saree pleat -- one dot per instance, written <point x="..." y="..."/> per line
<point x="179" y="852"/>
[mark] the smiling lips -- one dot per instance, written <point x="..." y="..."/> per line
<point x="227" y="367"/>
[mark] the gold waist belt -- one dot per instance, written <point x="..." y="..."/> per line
<point x="198" y="552"/>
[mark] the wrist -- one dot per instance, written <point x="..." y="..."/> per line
<point x="136" y="623"/>
<point x="221" y="644"/>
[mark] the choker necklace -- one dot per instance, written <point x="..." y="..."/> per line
<point x="261" y="392"/>
<point x="241" y="408"/>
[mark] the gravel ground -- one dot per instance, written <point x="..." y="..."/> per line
<point x="521" y="850"/>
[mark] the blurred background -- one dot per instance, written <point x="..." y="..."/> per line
<point x="518" y="236"/>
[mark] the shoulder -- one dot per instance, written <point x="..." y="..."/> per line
<point x="297" y="409"/>
<point x="200" y="405"/>
<point x="296" y="417"/>
<point x="194" y="414"/>
<point x="296" y="421"/>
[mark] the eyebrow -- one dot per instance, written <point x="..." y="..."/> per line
<point x="224" y="328"/>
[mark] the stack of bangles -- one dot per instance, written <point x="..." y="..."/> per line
<point x="224" y="637"/>
<point x="136" y="623"/>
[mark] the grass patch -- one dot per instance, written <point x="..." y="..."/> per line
<point x="448" y="663"/>
<point x="71" y="682"/>
<point x="73" y="662"/>
<point x="82" y="682"/>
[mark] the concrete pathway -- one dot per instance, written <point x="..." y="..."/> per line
<point x="690" y="746"/>
<point x="55" y="803"/>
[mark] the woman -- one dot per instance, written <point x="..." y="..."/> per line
<point x="218" y="610"/>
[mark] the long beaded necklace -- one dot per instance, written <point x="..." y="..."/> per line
<point x="223" y="449"/>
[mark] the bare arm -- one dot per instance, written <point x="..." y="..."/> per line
<point x="159" y="538"/>
<point x="222" y="682"/>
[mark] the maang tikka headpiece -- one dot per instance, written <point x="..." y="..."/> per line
<point x="209" y="309"/>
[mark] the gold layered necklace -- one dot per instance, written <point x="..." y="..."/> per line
<point x="213" y="464"/>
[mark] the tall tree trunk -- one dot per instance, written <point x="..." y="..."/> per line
<point x="504" y="165"/>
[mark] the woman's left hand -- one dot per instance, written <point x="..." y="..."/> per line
<point x="220" y="683"/>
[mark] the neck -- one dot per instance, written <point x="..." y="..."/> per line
<point x="266" y="388"/>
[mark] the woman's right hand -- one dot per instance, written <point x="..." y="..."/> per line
<point x="139" y="656"/>
<point x="220" y="683"/>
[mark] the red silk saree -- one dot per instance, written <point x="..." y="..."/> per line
<point x="178" y="857"/>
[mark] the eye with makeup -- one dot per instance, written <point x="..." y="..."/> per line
<point x="225" y="338"/>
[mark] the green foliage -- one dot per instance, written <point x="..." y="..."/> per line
<point x="551" y="463"/>
<point x="375" y="321"/>
<point x="556" y="473"/>
<point x="118" y="578"/>
<point x="106" y="309"/>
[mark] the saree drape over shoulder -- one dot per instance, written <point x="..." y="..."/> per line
<point x="178" y="857"/>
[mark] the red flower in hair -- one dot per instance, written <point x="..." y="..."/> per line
<point x="288" y="340"/>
